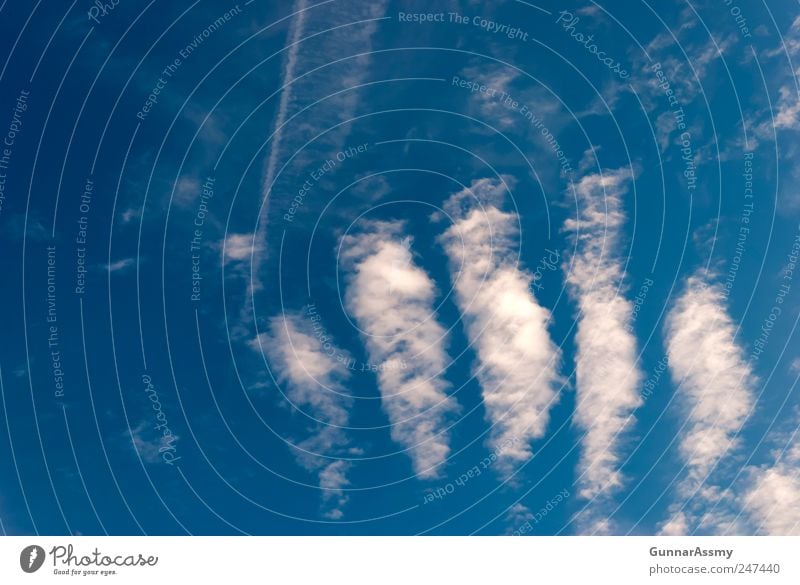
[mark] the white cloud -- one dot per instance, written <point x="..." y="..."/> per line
<point x="790" y="42"/>
<point x="333" y="479"/>
<point x="782" y="113"/>
<point x="665" y="126"/>
<point x="121" y="264"/>
<point x="129" y="215"/>
<point x="607" y="372"/>
<point x="147" y="448"/>
<point x="773" y="502"/>
<point x="517" y="363"/>
<point x="186" y="190"/>
<point x="517" y="516"/>
<point x="488" y="105"/>
<point x="715" y="380"/>
<point x="714" y="386"/>
<point x="392" y="300"/>
<point x="151" y="443"/>
<point x="592" y="11"/>
<point x="676" y="525"/>
<point x="771" y="496"/>
<point x="688" y="70"/>
<point x="314" y="383"/>
<point x="788" y="115"/>
<point x="238" y="247"/>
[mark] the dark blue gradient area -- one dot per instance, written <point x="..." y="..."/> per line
<point x="389" y="268"/>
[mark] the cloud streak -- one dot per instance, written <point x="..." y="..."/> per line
<point x="239" y="247"/>
<point x="714" y="386"/>
<point x="295" y="36"/>
<point x="607" y="373"/>
<point x="314" y="383"/>
<point x="517" y="363"/>
<point x="392" y="300"/>
<point x="771" y="498"/>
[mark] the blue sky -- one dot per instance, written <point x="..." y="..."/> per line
<point x="400" y="268"/>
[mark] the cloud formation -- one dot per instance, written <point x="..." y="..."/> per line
<point x="238" y="247"/>
<point x="517" y="363"/>
<point x="714" y="386"/>
<point x="392" y="300"/>
<point x="771" y="498"/>
<point x="607" y="372"/>
<point x="314" y="383"/>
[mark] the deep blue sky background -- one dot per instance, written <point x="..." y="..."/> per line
<point x="68" y="463"/>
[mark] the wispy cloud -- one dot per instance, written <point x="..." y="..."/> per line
<point x="489" y="104"/>
<point x="306" y="79"/>
<point x="309" y="76"/>
<point x="789" y="42"/>
<point x="186" y="189"/>
<point x="121" y="264"/>
<point x="517" y="363"/>
<point x="516" y="517"/>
<point x="714" y="386"/>
<point x="767" y="117"/>
<point x="129" y="215"/>
<point x="392" y="299"/>
<point x="296" y="31"/>
<point x="151" y="443"/>
<point x="314" y="384"/>
<point x="333" y="479"/>
<point x="238" y="247"/>
<point x="607" y="372"/>
<point x="772" y="500"/>
<point x="689" y="69"/>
